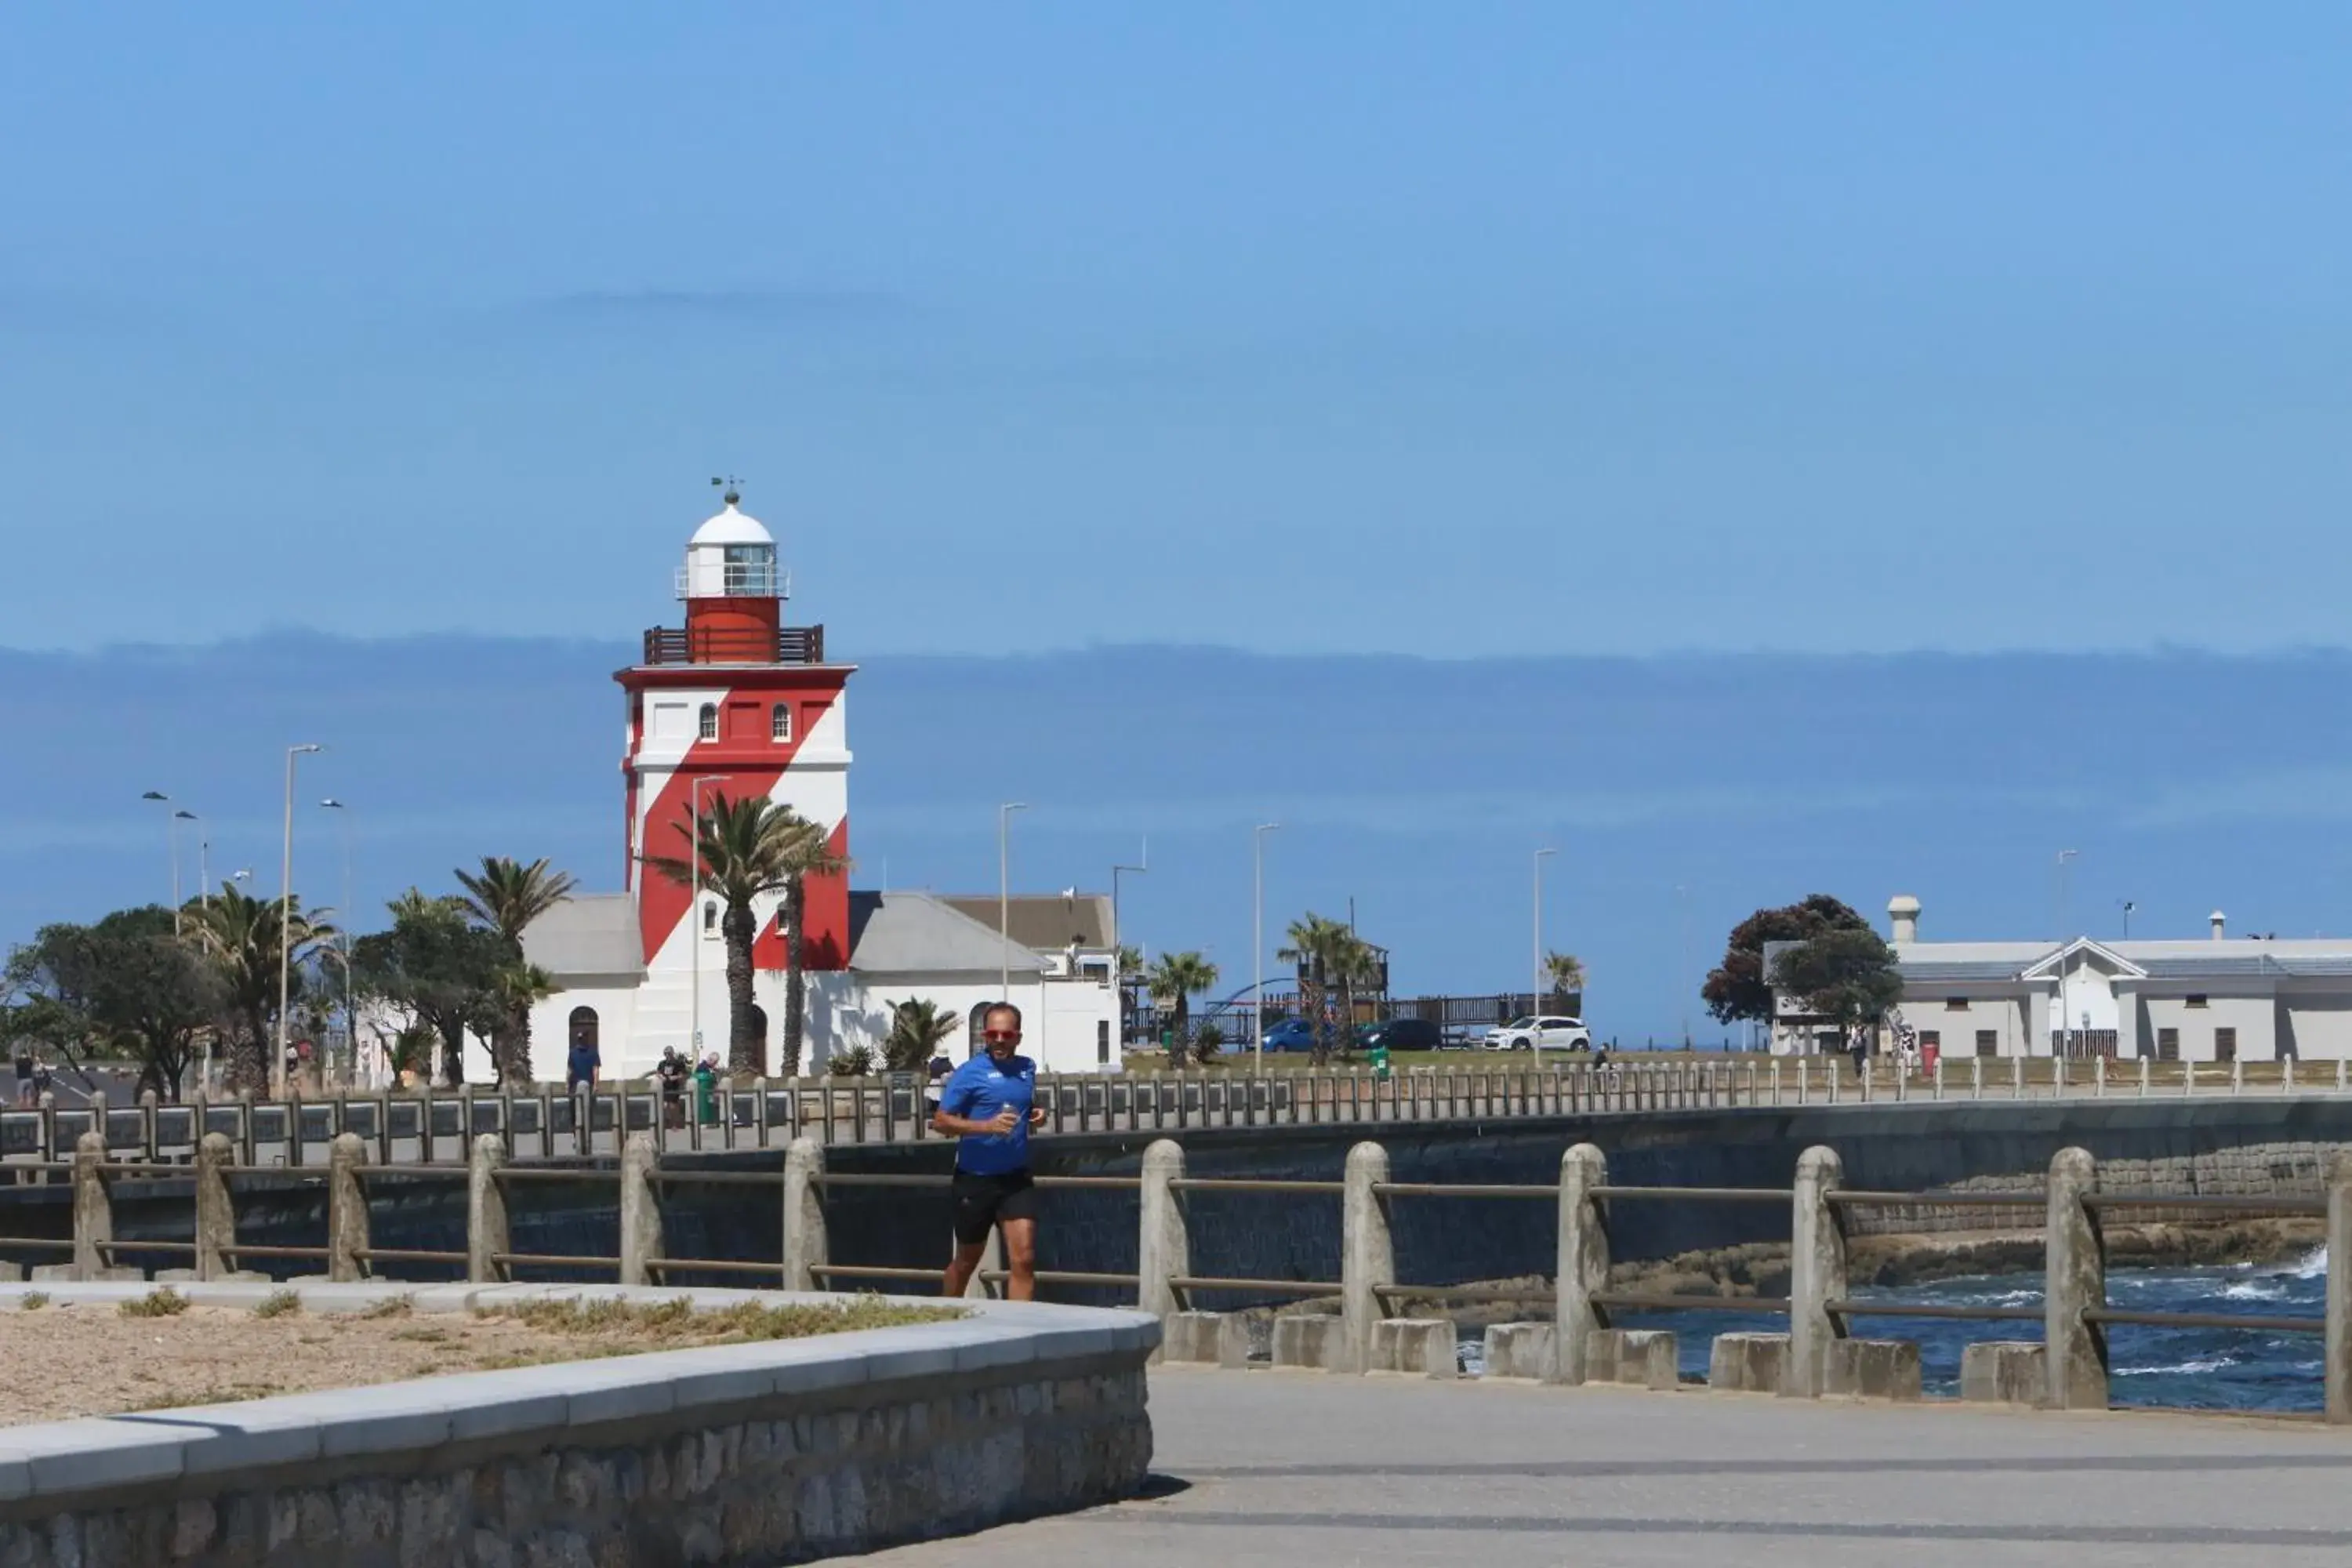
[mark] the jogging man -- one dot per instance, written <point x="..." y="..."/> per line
<point x="989" y="1103"/>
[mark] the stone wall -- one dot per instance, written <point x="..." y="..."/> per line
<point x="739" y="1455"/>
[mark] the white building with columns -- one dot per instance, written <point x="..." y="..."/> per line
<point x="2223" y="998"/>
<point x="734" y="704"/>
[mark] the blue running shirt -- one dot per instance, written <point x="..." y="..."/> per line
<point x="977" y="1091"/>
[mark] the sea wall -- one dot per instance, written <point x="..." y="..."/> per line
<point x="748" y="1453"/>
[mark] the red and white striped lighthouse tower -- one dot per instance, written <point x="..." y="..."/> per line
<point x="733" y="703"/>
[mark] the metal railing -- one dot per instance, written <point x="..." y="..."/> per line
<point x="546" y="1123"/>
<point x="1820" y="1307"/>
<point x="734" y="645"/>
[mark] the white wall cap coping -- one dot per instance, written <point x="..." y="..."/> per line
<point x="95" y="1451"/>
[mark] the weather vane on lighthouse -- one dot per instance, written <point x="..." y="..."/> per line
<point x="730" y="487"/>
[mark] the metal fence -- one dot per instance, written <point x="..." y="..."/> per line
<point x="1821" y="1307"/>
<point x="421" y="1128"/>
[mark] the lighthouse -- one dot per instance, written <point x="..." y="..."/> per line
<point x="733" y="704"/>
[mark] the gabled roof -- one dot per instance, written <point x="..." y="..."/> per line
<point x="2084" y="947"/>
<point x="919" y="933"/>
<point x="587" y="933"/>
<point x="1045" y="922"/>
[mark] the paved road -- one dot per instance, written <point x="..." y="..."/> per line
<point x="1303" y="1471"/>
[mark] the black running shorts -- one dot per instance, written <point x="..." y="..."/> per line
<point x="981" y="1203"/>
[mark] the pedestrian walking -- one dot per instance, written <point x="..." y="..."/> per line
<point x="24" y="1074"/>
<point x="671" y="1072"/>
<point x="706" y="1089"/>
<point x="582" y="1063"/>
<point x="990" y="1105"/>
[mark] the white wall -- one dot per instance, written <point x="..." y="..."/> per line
<point x="2322" y="1025"/>
<point x="2253" y="1016"/>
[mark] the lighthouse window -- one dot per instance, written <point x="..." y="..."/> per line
<point x="750" y="569"/>
<point x="710" y="917"/>
<point x="709" y="722"/>
<point x="780" y="721"/>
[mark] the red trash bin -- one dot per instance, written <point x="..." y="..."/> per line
<point x="1927" y="1055"/>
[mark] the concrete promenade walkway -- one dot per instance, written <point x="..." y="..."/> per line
<point x="1301" y="1470"/>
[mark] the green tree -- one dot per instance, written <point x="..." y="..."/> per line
<point x="244" y="937"/>
<point x="126" y="984"/>
<point x="505" y="896"/>
<point x="1565" y="972"/>
<point x="749" y="849"/>
<point x="1329" y="960"/>
<point x="438" y="970"/>
<point x="1738" y="987"/>
<point x="1846" y="974"/>
<point x="919" y="1027"/>
<point x="1130" y="960"/>
<point x="1174" y="981"/>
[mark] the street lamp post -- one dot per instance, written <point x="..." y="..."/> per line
<point x="286" y="913"/>
<point x="1534" y="990"/>
<point x="171" y="839"/>
<point x="1257" y="944"/>
<point x="2128" y="907"/>
<point x="1119" y="933"/>
<point x="2058" y="1028"/>
<point x="1004" y="897"/>
<point x="694" y="916"/>
<point x="203" y="863"/>
<point x="350" y="1013"/>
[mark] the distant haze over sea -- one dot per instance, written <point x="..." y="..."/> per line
<point x="1681" y="792"/>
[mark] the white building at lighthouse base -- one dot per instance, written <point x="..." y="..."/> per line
<point x="903" y="946"/>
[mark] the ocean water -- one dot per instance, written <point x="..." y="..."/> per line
<point x="2205" y="1369"/>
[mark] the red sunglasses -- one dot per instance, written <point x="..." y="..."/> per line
<point x="1013" y="1034"/>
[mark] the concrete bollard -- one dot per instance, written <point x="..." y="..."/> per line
<point x="487" y="1232"/>
<point x="1817" y="1273"/>
<point x="805" y="1249"/>
<point x="2143" y="1078"/>
<point x="2003" y="1372"/>
<point x="641" y="1224"/>
<point x="1312" y="1340"/>
<point x="1163" y="1248"/>
<point x="1874" y="1369"/>
<point x="93" y="1208"/>
<point x="1976" y="1078"/>
<point x="216" y="1208"/>
<point x="2338" y="1309"/>
<point x="1644" y="1358"/>
<point x="1521" y="1350"/>
<point x="1416" y="1347"/>
<point x="347" y="1208"/>
<point x="1367" y="1256"/>
<point x="1209" y="1339"/>
<point x="2077" y="1283"/>
<point x="1749" y="1362"/>
<point x="1583" y="1265"/>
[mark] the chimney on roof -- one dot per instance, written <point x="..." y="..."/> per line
<point x="1903" y="915"/>
<point x="2216" y="918"/>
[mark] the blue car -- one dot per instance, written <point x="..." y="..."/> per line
<point x="1290" y="1035"/>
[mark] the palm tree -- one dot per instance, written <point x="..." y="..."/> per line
<point x="1130" y="961"/>
<point x="918" y="1029"/>
<point x="1566" y="972"/>
<point x="1324" y="950"/>
<point x="1175" y="980"/>
<point x="748" y="849"/>
<point x="245" y="937"/>
<point x="505" y="896"/>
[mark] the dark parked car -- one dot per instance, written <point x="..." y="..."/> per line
<point x="1401" y="1035"/>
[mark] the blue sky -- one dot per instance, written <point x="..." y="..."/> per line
<point x="1474" y="328"/>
